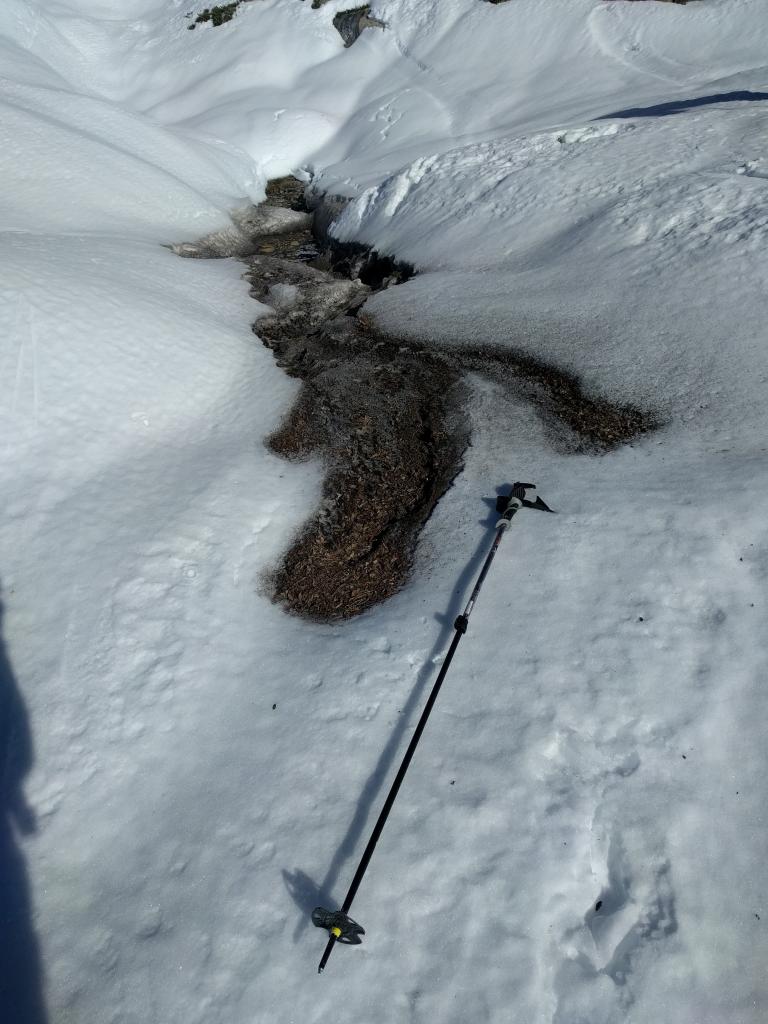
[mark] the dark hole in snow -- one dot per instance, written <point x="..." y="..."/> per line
<point x="352" y="260"/>
<point x="598" y="905"/>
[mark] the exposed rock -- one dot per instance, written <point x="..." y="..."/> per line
<point x="349" y="24"/>
<point x="306" y="298"/>
<point x="287" y="192"/>
<point x="251" y="227"/>
<point x="219" y="14"/>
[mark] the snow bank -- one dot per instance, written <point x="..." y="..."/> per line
<point x="553" y="243"/>
<point x="582" y="836"/>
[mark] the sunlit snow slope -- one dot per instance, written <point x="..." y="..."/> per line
<point x="188" y="770"/>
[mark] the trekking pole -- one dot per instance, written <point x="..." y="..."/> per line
<point x="338" y="923"/>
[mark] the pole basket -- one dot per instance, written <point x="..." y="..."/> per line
<point x="339" y="925"/>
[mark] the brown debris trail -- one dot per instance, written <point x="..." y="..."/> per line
<point x="387" y="416"/>
<point x="389" y="427"/>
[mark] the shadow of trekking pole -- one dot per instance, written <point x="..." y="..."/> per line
<point x="304" y="891"/>
<point x="340" y="926"/>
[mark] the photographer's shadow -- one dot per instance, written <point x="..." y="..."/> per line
<point x="21" y="976"/>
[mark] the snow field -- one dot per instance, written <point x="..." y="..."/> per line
<point x="671" y="212"/>
<point x="601" y="735"/>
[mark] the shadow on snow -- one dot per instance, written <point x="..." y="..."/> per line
<point x="677" y="106"/>
<point x="307" y="893"/>
<point x="21" y="977"/>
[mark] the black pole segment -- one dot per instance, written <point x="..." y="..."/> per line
<point x="382" y="819"/>
<point x="326" y="953"/>
<point x="507" y="505"/>
<point x="395" y="788"/>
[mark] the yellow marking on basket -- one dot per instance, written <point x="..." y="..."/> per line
<point x="336" y="931"/>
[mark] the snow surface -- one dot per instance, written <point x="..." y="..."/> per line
<point x="601" y="736"/>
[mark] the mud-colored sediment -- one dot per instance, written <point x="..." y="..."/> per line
<point x="386" y="416"/>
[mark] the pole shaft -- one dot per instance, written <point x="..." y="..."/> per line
<point x="484" y="571"/>
<point x="460" y="627"/>
<point x="326" y="953"/>
<point x="395" y="787"/>
<point x="381" y="821"/>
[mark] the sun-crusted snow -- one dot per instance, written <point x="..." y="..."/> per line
<point x="555" y="243"/>
<point x="206" y="768"/>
